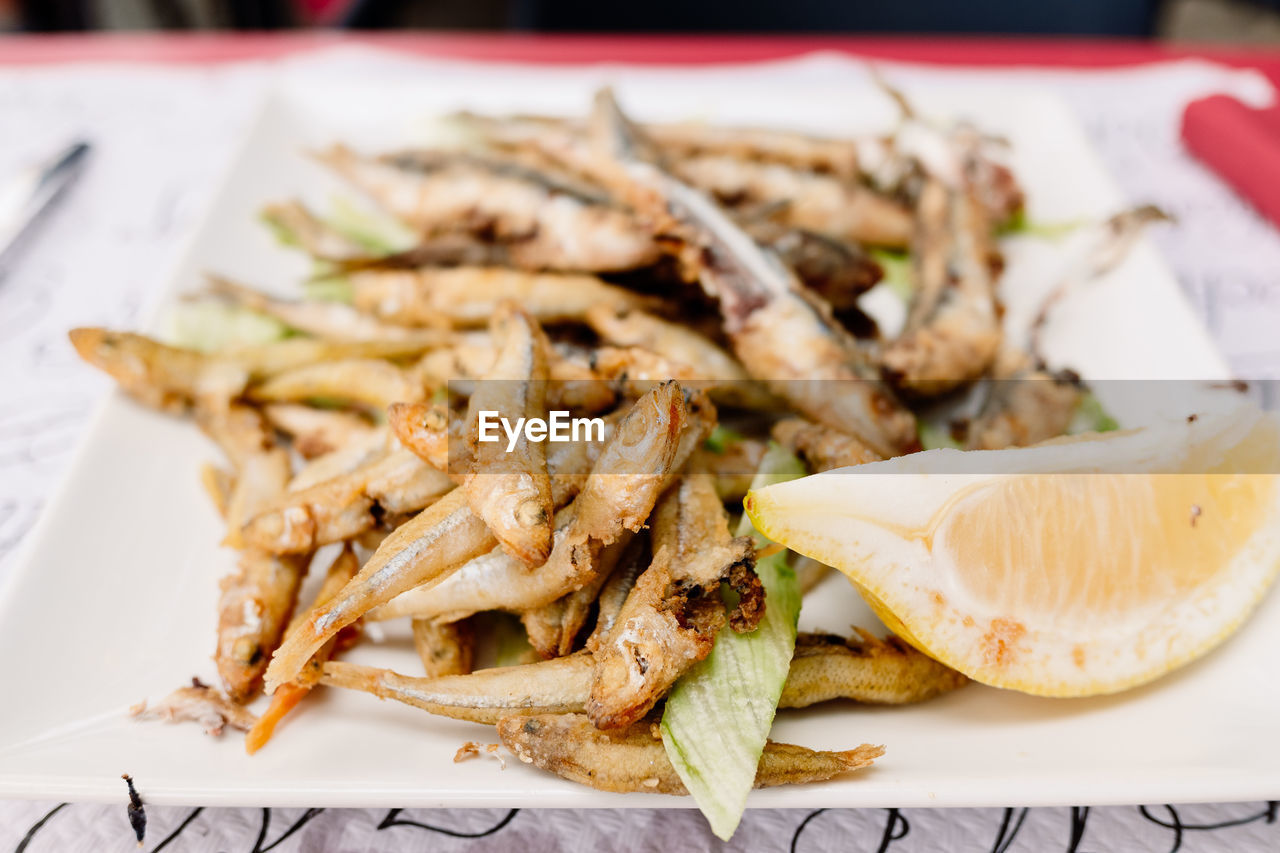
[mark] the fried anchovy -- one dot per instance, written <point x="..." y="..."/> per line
<point x="317" y="432"/>
<point x="359" y="451"/>
<point x="1025" y="404"/>
<point x="287" y="696"/>
<point x="557" y="685"/>
<point x="509" y="488"/>
<point x="369" y="382"/>
<point x="863" y="668"/>
<point x="445" y="535"/>
<point x="553" y="627"/>
<point x="634" y="328"/>
<point x="825" y="667"/>
<point x="670" y="620"/>
<point x="613" y="595"/>
<point x="442" y="250"/>
<point x="781" y="334"/>
<point x="821" y="447"/>
<point x="168" y="378"/>
<point x="836" y="270"/>
<point x="467" y="296"/>
<point x="258" y="596"/>
<point x="295" y="224"/>
<point x="346" y="505"/>
<point x="953" y="329"/>
<point x="651" y="442"/>
<point x="841" y="209"/>
<point x="424" y="429"/>
<point x="826" y="155"/>
<point x="333" y="321"/>
<point x="550" y="224"/>
<point x="636" y="760"/>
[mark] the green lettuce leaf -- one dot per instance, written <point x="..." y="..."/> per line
<point x="897" y="272"/>
<point x="377" y="233"/>
<point x="721" y="437"/>
<point x="1090" y="416"/>
<point x="933" y="436"/>
<point x="1019" y="224"/>
<point x="212" y="325"/>
<point x="719" y="713"/>
<point x="329" y="288"/>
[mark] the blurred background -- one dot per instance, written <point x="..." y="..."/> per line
<point x="1256" y="21"/>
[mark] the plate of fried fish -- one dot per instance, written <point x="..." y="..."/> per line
<point x="425" y="482"/>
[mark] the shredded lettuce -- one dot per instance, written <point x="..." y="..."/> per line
<point x="377" y="233"/>
<point x="897" y="272"/>
<point x="721" y="437"/>
<point x="719" y="713"/>
<point x="211" y="325"/>
<point x="285" y="235"/>
<point x="502" y="638"/>
<point x="329" y="288"/>
<point x="1090" y="416"/>
<point x="934" y="436"/>
<point x="1020" y="224"/>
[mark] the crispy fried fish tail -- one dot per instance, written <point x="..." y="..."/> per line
<point x="636" y="760"/>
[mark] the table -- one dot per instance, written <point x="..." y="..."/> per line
<point x="126" y="224"/>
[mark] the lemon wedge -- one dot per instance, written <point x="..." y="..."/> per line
<point x="1077" y="567"/>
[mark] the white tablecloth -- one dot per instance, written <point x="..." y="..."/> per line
<point x="162" y="137"/>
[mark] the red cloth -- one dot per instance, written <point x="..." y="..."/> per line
<point x="1240" y="144"/>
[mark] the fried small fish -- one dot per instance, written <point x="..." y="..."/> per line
<point x="509" y="487"/>
<point x="442" y="537"/>
<point x="466" y="297"/>
<point x="782" y="334"/>
<point x="865" y="669"/>
<point x="370" y="382"/>
<point x="825" y="667"/>
<point x="952" y="332"/>
<point x="820" y="447"/>
<point x="316" y="432"/>
<point x="346" y="505"/>
<point x="171" y="379"/>
<point x="287" y="696"/>
<point x="670" y="619"/>
<point x="635" y="759"/>
<point x="550" y="686"/>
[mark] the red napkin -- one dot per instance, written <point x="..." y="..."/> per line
<point x="1240" y="144"/>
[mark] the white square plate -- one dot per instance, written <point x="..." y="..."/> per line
<point x="114" y="598"/>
